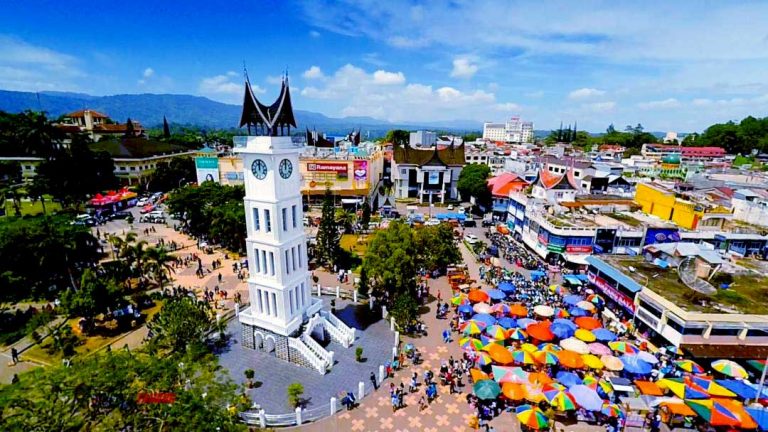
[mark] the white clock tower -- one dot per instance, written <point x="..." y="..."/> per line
<point x="282" y="314"/>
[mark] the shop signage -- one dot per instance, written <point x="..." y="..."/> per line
<point x="578" y="249"/>
<point x="340" y="169"/>
<point x="361" y="170"/>
<point x="555" y="248"/>
<point x="207" y="169"/>
<point x="611" y="292"/>
<point x="434" y="177"/>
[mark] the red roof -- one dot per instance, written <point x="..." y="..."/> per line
<point x="503" y="184"/>
<point x="81" y="113"/>
<point x="549" y="179"/>
<point x="703" y="151"/>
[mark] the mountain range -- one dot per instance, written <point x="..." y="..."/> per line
<point x="149" y="109"/>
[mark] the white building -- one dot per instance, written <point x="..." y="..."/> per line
<point x="514" y="131"/>
<point x="422" y="139"/>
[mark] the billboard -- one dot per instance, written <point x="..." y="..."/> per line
<point x="604" y="240"/>
<point x="661" y="235"/>
<point x="434" y="178"/>
<point x="207" y="169"/>
<point x="361" y="170"/>
<point x="611" y="292"/>
<point x="341" y="170"/>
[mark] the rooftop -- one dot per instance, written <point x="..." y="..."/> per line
<point x="135" y="147"/>
<point x="748" y="294"/>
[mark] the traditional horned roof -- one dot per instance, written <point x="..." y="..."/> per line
<point x="271" y="119"/>
<point x="316" y="139"/>
<point x="450" y="155"/>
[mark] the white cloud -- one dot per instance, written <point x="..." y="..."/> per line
<point x="599" y="107"/>
<point x="313" y="72"/>
<point x="27" y="67"/>
<point x="585" y="93"/>
<point x="508" y="106"/>
<point x="314" y="34"/>
<point x="463" y="68"/>
<point x="383" y="77"/>
<point x="535" y="94"/>
<point x="222" y="88"/>
<point x="660" y="104"/>
<point x="274" y="79"/>
<point x="148" y="72"/>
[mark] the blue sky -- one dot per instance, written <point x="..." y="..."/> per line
<point x="669" y="65"/>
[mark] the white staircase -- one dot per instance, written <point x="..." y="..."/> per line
<point x="316" y="360"/>
<point x="340" y="332"/>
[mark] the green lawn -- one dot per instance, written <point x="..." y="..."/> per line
<point x="29" y="208"/>
<point x="350" y="243"/>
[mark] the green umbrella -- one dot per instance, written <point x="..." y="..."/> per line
<point x="486" y="389"/>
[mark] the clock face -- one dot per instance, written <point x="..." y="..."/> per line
<point x="259" y="169"/>
<point x="286" y="168"/>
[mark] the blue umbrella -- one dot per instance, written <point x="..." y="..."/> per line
<point x="565" y="322"/>
<point x="465" y="309"/>
<point x="496" y="294"/>
<point x="760" y="415"/>
<point x="586" y="397"/>
<point x="633" y="364"/>
<point x="603" y="334"/>
<point x="561" y="331"/>
<point x="737" y="386"/>
<point x="507" y="322"/>
<point x="525" y="322"/>
<point x="568" y="379"/>
<point x="572" y="299"/>
<point x="577" y="312"/>
<point x="507" y="287"/>
<point x="485" y="318"/>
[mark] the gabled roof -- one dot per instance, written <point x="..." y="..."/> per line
<point x="273" y="117"/>
<point x="81" y="113"/>
<point x="450" y="155"/>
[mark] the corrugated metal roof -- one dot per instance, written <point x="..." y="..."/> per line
<point x="614" y="273"/>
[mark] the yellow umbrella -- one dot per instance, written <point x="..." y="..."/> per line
<point x="478" y="375"/>
<point x="529" y="347"/>
<point x="533" y="393"/>
<point x="592" y="361"/>
<point x="585" y="335"/>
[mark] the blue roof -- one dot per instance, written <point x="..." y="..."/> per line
<point x="617" y="275"/>
<point x="572" y="279"/>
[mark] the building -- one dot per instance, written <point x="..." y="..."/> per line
<point x="663" y="203"/>
<point x="512" y="131"/>
<point x="495" y="159"/>
<point x="750" y="206"/>
<point x="502" y="186"/>
<point x="98" y="125"/>
<point x="422" y="139"/>
<point x="670" y="136"/>
<point x="686" y="154"/>
<point x="430" y="175"/>
<point x="283" y="317"/>
<point x="351" y="172"/>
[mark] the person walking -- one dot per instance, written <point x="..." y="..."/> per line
<point x="14" y="355"/>
<point x="373" y="381"/>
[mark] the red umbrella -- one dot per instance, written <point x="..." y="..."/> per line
<point x="476" y="296"/>
<point x="588" y="322"/>
<point x="540" y="331"/>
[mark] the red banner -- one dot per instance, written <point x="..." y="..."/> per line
<point x="578" y="249"/>
<point x="327" y="167"/>
<point x="624" y="300"/>
<point x="155" y="398"/>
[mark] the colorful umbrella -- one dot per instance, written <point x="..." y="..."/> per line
<point x="517" y="334"/>
<point x="568" y="379"/>
<point x="546" y="358"/>
<point x="611" y="410"/>
<point x="561" y="313"/>
<point x="533" y="393"/>
<point x="540" y="378"/>
<point x="513" y="391"/>
<point x="518" y="310"/>
<point x="472" y="327"/>
<point x="531" y="348"/>
<point x="525" y="322"/>
<point x="498" y="353"/>
<point x="540" y="331"/>
<point x="682" y="388"/>
<point x="714" y="412"/>
<point x="489" y="340"/>
<point x="549" y="347"/>
<point x="544" y="311"/>
<point x="623" y="347"/>
<point x="612" y="363"/>
<point x="595" y="299"/>
<point x="563" y="401"/>
<point x="758" y="365"/>
<point x="532" y="417"/>
<point x="477" y="296"/>
<point x="552" y="386"/>
<point x="522" y="357"/>
<point x="730" y="368"/>
<point x="577" y="312"/>
<point x="561" y="331"/>
<point x="570" y="359"/>
<point x="486" y="389"/>
<point x="507" y="322"/>
<point x="572" y="299"/>
<point x="586" y="397"/>
<point x="599" y="349"/>
<point x="483" y="359"/>
<point x="689" y="366"/>
<point x="482" y="308"/>
<point x="587" y="306"/>
<point x="592" y="362"/>
<point x="587" y="322"/>
<point x="496" y="294"/>
<point x="485" y="318"/>
<point x="459" y="300"/>
<point x="590" y="381"/>
<point x="647" y="357"/>
<point x="633" y="364"/>
<point x="500" y="309"/>
<point x="584" y="335"/>
<point x="558" y="289"/>
<point x="575" y="345"/>
<point x="507" y="287"/>
<point x="508" y="374"/>
<point x="478" y="375"/>
<point x="470" y="343"/>
<point x="566" y="322"/>
<point x="604" y="335"/>
<point x="711" y="387"/>
<point x="496" y="332"/>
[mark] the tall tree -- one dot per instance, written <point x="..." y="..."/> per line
<point x="129" y="131"/>
<point x="166" y="129"/>
<point x="365" y="217"/>
<point x="473" y="182"/>
<point x="181" y="325"/>
<point x="391" y="261"/>
<point x="327" y="249"/>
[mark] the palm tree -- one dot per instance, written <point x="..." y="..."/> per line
<point x="346" y="218"/>
<point x="157" y="261"/>
<point x="38" y="135"/>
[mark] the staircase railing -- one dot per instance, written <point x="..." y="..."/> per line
<point x="316" y="362"/>
<point x="339" y="331"/>
<point x="315" y="347"/>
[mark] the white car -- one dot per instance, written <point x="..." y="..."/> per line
<point x="461" y="210"/>
<point x="432" y="222"/>
<point x="470" y="238"/>
<point x="450" y="207"/>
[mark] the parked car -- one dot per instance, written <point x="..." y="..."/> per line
<point x="450" y="207"/>
<point x="84" y="220"/>
<point x="470" y="238"/>
<point x="120" y="215"/>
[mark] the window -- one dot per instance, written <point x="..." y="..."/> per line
<point x="693" y="331"/>
<point x="675" y="325"/>
<point x="287" y="267"/>
<point x="284" y="211"/>
<point x="757" y="332"/>
<point x="293" y="258"/>
<point x="261" y="305"/>
<point x="293" y="215"/>
<point x="725" y="332"/>
<point x="272" y="263"/>
<point x="297" y="296"/>
<point x="256" y="220"/>
<point x="290" y="300"/>
<point x="303" y="294"/>
<point x="299" y="254"/>
<point x="264" y="262"/>
<point x="257" y="265"/>
<point x="274" y="304"/>
<point x="267" y="221"/>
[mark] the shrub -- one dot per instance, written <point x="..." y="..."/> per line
<point x="295" y="390"/>
<point x="359" y="354"/>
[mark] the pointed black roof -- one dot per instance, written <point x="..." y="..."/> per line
<point x="271" y="119"/>
<point x="315" y="139"/>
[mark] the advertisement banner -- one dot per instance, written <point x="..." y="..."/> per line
<point x="555" y="248"/>
<point x="207" y="169"/>
<point x="340" y="169"/>
<point x="661" y="235"/>
<point x="578" y="249"/>
<point x="434" y="178"/>
<point x="620" y="298"/>
<point x="361" y="170"/>
<point x="604" y="240"/>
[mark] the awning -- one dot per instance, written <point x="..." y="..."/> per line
<point x="572" y="280"/>
<point x="576" y="259"/>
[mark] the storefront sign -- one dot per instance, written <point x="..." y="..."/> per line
<point x="578" y="249"/>
<point x="661" y="235"/>
<point x="361" y="170"/>
<point x="555" y="248"/>
<point x="340" y="169"/>
<point x="611" y="292"/>
<point x="207" y="169"/>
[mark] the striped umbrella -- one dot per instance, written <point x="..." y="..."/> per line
<point x="500" y="309"/>
<point x="459" y="300"/>
<point x="596" y="299"/>
<point x="563" y="401"/>
<point x="470" y="343"/>
<point x="496" y="332"/>
<point x="550" y="347"/>
<point x="730" y="368"/>
<point x="714" y="412"/>
<point x="611" y="410"/>
<point x="517" y="334"/>
<point x="561" y="313"/>
<point x="483" y="359"/>
<point x="522" y="357"/>
<point x="531" y="348"/>
<point x="472" y="327"/>
<point x="511" y="374"/>
<point x="689" y="366"/>
<point x="546" y="358"/>
<point x="488" y="340"/>
<point x="532" y="417"/>
<point x="623" y="347"/>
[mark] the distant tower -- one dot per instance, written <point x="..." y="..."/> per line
<point x="283" y="314"/>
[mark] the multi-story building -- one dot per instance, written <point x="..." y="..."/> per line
<point x="663" y="203"/>
<point x="98" y="125"/>
<point x="431" y="175"/>
<point x="422" y="139"/>
<point x="513" y="131"/>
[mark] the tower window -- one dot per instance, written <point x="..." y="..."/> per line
<point x="257" y="264"/>
<point x="274" y="304"/>
<point x="287" y="267"/>
<point x="264" y="262"/>
<point x="285" y="218"/>
<point x="299" y="254"/>
<point x="293" y="215"/>
<point x="293" y="258"/>
<point x="290" y="300"/>
<point x="267" y="221"/>
<point x="256" y="220"/>
<point x="272" y="263"/>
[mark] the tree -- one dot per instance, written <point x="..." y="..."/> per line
<point x="345" y="219"/>
<point x="295" y="391"/>
<point x="181" y="325"/>
<point x="171" y="175"/>
<point x="94" y="295"/>
<point x="437" y="246"/>
<point x="404" y="309"/>
<point x="391" y="261"/>
<point x="398" y="137"/>
<point x="129" y="132"/>
<point x="158" y="263"/>
<point x="365" y="217"/>
<point x="473" y="182"/>
<point x="327" y="249"/>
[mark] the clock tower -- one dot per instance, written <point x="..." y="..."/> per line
<point x="282" y="315"/>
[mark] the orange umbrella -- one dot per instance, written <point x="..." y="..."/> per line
<point x="478" y="375"/>
<point x="517" y="310"/>
<point x="540" y="378"/>
<point x="513" y="391"/>
<point x="477" y="296"/>
<point x="540" y="331"/>
<point x="570" y="359"/>
<point x="587" y="322"/>
<point x="499" y="354"/>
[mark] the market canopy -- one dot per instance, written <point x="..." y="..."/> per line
<point x="738" y="387"/>
<point x="760" y="416"/>
<point x="649" y="388"/>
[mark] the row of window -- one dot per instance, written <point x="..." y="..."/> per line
<point x="267" y="302"/>
<point x="268" y="219"/>
<point x="264" y="262"/>
<point x="292" y="259"/>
